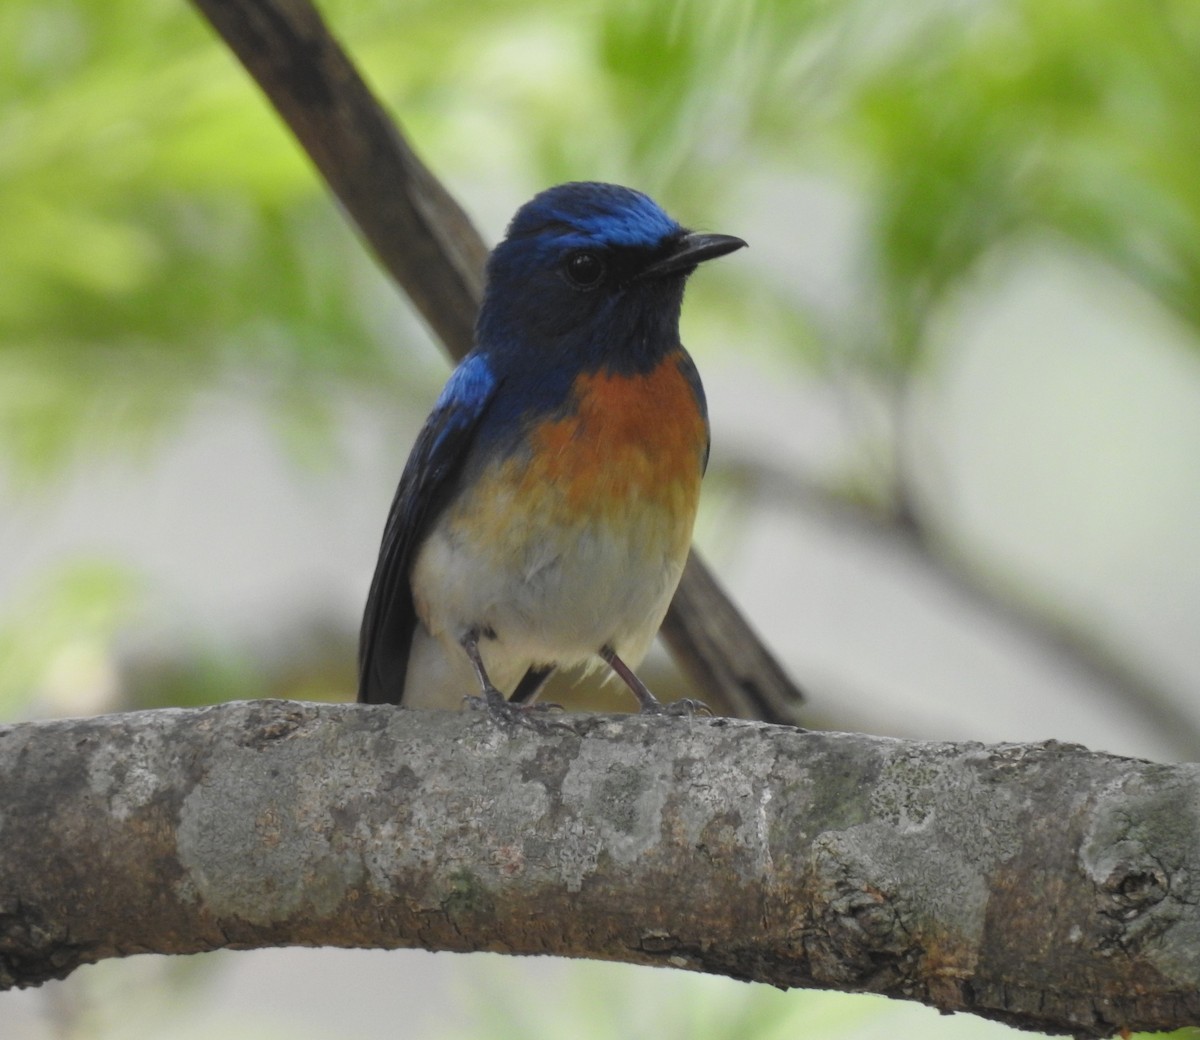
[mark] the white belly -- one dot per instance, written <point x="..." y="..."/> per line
<point x="547" y="600"/>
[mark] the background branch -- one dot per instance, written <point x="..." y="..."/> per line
<point x="1103" y="669"/>
<point x="428" y="245"/>
<point x="1040" y="884"/>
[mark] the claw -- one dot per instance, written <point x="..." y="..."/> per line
<point x="686" y="708"/>
<point x="506" y="713"/>
<point x="649" y="704"/>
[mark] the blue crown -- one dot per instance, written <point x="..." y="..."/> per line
<point x="606" y="213"/>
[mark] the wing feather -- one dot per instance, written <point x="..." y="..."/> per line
<point x="425" y="487"/>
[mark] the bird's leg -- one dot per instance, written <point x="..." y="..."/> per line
<point x="495" y="701"/>
<point x="649" y="704"/>
<point x="531" y="684"/>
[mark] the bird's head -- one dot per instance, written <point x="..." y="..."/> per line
<point x="594" y="274"/>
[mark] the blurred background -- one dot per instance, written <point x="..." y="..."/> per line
<point x="954" y="385"/>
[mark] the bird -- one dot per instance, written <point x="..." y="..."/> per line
<point x="545" y="513"/>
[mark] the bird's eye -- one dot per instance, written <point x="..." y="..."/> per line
<point x="584" y="269"/>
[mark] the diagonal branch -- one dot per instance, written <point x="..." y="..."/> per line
<point x="1044" y="885"/>
<point x="418" y="232"/>
<point x="429" y="246"/>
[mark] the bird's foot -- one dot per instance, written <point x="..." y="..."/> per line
<point x="648" y="704"/>
<point x="500" y="708"/>
<point x="686" y="707"/>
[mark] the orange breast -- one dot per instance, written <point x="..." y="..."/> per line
<point x="630" y="439"/>
<point x="624" y="465"/>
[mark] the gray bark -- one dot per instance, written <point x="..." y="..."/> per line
<point x="1045" y="885"/>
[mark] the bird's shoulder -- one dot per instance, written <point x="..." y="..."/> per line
<point x="444" y="442"/>
<point x="465" y="394"/>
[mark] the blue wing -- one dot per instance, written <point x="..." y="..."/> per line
<point x="688" y="367"/>
<point x="425" y="487"/>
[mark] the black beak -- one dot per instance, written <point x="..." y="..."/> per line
<point x="690" y="250"/>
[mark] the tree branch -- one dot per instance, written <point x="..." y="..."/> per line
<point x="417" y="231"/>
<point x="427" y="244"/>
<point x="1044" y="885"/>
<point x="1107" y="671"/>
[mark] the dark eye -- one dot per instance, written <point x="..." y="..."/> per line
<point x="584" y="269"/>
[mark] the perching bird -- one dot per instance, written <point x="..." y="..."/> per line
<point x="545" y="514"/>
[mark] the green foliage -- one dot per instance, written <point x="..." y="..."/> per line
<point x="1066" y="117"/>
<point x="56" y="640"/>
<point x="161" y="232"/>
